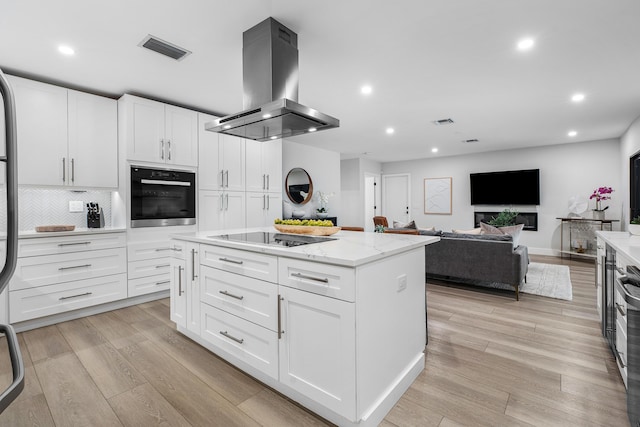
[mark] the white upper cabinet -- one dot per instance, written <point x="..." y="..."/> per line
<point x="93" y="140"/>
<point x="65" y="137"/>
<point x="264" y="166"/>
<point x="221" y="159"/>
<point x="159" y="133"/>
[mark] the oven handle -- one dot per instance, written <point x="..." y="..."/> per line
<point x="630" y="299"/>
<point x="169" y="183"/>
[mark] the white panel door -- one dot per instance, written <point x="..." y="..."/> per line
<point x="317" y="349"/>
<point x="274" y="207"/>
<point x="396" y="202"/>
<point x="41" y="117"/>
<point x="145" y="129"/>
<point x="192" y="280"/>
<point x="256" y="208"/>
<point x="233" y="160"/>
<point x="93" y="140"/>
<point x="210" y="211"/>
<point x="178" y="300"/>
<point x="209" y="175"/>
<point x="256" y="179"/>
<point x="235" y="212"/>
<point x="181" y="136"/>
<point x="272" y="165"/>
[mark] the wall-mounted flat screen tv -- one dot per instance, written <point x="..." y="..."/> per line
<point x="520" y="187"/>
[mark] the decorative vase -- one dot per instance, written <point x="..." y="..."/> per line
<point x="322" y="215"/>
<point x="598" y="214"/>
<point x="634" y="229"/>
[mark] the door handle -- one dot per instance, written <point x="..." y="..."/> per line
<point x="268" y="182"/>
<point x="226" y="180"/>
<point x="193" y="265"/>
<point x="162" y="149"/>
<point x="179" y="280"/>
<point x="169" y="144"/>
<point x="64" y="167"/>
<point x="73" y="170"/>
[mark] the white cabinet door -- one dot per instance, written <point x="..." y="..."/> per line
<point x="210" y="210"/>
<point x="317" y="349"/>
<point x="263" y="209"/>
<point x="272" y="164"/>
<point x="264" y="166"/>
<point x="234" y="210"/>
<point x="93" y="140"/>
<point x="209" y="173"/>
<point x="145" y="129"/>
<point x="181" y="136"/>
<point x="274" y="207"/>
<point x="178" y="301"/>
<point x="192" y="288"/>
<point x="232" y="154"/>
<point x="41" y="116"/>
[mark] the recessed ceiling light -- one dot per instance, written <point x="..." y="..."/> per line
<point x="274" y="137"/>
<point x="66" y="50"/>
<point x="578" y="97"/>
<point x="434" y="150"/>
<point x="572" y="133"/>
<point x="525" y="44"/>
<point x="366" y="90"/>
<point x="266" y="116"/>
<point x="390" y="131"/>
<point x="312" y="129"/>
<point x="227" y="127"/>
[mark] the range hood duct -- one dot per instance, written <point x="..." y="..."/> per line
<point x="270" y="86"/>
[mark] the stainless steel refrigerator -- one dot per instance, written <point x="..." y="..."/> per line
<point x="11" y="186"/>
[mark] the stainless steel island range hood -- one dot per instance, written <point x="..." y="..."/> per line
<point x="270" y="86"/>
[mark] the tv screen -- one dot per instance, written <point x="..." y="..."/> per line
<point x="506" y="188"/>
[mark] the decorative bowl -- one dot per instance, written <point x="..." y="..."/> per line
<point x="634" y="229"/>
<point x="298" y="214"/>
<point x="322" y="215"/>
<point x="307" y="229"/>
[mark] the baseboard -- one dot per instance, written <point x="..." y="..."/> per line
<point x="543" y="251"/>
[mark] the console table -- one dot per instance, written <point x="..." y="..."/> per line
<point x="578" y="235"/>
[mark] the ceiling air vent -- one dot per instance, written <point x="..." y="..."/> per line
<point x="443" y="122"/>
<point x="164" y="48"/>
<point x="469" y="141"/>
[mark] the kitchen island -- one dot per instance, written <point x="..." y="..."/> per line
<point x="338" y="326"/>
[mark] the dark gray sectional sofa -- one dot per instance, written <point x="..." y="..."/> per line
<point x="477" y="258"/>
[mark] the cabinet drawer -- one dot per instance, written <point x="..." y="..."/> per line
<point x="62" y="245"/>
<point x="149" y="267"/>
<point x="328" y="280"/>
<point x="621" y="349"/>
<point x="259" y="266"/>
<point x="620" y="306"/>
<point x="251" y="299"/>
<point x="53" y="299"/>
<point x="47" y="270"/>
<point x="253" y="344"/>
<point x="140" y="251"/>
<point x="149" y="285"/>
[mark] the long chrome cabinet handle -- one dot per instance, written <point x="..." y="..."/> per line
<point x="179" y="280"/>
<point x="175" y="249"/>
<point x="64" y="170"/>
<point x="163" y="265"/>
<point x="164" y="282"/>
<point x="264" y="181"/>
<point x="240" y="297"/>
<point x="226" y="181"/>
<point x="317" y="279"/>
<point x="268" y="182"/>
<point x="164" y="249"/>
<point x="169" y="144"/>
<point x="280" y="299"/>
<point x="619" y="357"/>
<point x="73" y="244"/>
<point x="75" y="296"/>
<point x="233" y="261"/>
<point x="221" y="177"/>
<point x="193" y="265"/>
<point x="74" y="266"/>
<point x="73" y="170"/>
<point x="231" y="337"/>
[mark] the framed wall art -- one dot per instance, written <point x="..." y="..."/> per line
<point x="437" y="196"/>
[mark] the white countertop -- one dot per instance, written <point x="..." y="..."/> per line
<point x="351" y="249"/>
<point x="624" y="242"/>
<point x="78" y="231"/>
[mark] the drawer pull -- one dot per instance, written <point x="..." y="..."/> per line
<point x="231" y="295"/>
<point x="163" y="266"/>
<point x="620" y="310"/>
<point x="231" y="337"/>
<point x="304" y="276"/>
<point x="164" y="249"/>
<point x="179" y="280"/>
<point x="75" y="296"/>
<point x="73" y="244"/>
<point x="164" y="282"/>
<point x="619" y="357"/>
<point x="175" y="248"/>
<point x="233" y="261"/>
<point x="74" y="266"/>
<point x="620" y="270"/>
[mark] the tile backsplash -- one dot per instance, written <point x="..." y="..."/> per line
<point x="39" y="206"/>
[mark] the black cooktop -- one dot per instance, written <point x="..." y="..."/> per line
<point x="273" y="239"/>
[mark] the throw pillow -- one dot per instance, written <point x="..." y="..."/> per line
<point x="427" y="229"/>
<point x="410" y="224"/>
<point x="514" y="231"/>
<point x="489" y="229"/>
<point x="472" y="231"/>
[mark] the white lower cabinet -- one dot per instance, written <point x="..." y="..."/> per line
<point x="149" y="266"/>
<point x="178" y="301"/>
<point x="59" y="274"/>
<point x="185" y="288"/>
<point x="317" y="349"/>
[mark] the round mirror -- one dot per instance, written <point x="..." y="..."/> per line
<point x="299" y="186"/>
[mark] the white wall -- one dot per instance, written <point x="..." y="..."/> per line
<point x="323" y="166"/>
<point x="629" y="145"/>
<point x="352" y="186"/>
<point x="565" y="170"/>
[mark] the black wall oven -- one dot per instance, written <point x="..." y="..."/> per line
<point x="161" y="197"/>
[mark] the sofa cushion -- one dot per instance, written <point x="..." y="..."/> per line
<point x="472" y="231"/>
<point x="410" y="224"/>
<point x="512" y="230"/>
<point x="429" y="232"/>
<point x="489" y="229"/>
<point x="490" y="237"/>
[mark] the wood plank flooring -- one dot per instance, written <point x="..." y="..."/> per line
<point x="490" y="361"/>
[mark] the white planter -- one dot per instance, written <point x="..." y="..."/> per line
<point x="634" y="229"/>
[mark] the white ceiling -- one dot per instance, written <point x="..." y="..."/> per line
<point x="426" y="60"/>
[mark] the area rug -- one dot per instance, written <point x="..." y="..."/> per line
<point x="548" y="280"/>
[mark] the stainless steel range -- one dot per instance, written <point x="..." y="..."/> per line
<point x="273" y="239"/>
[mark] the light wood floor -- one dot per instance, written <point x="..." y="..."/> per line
<point x="490" y="361"/>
